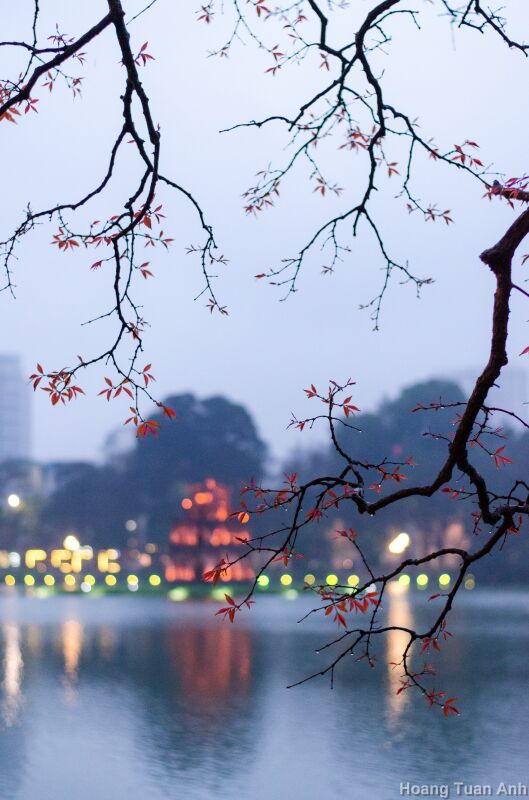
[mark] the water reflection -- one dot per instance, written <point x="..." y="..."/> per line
<point x="72" y="646"/>
<point x="399" y="614"/>
<point x="169" y="703"/>
<point x="106" y="642"/>
<point x="214" y="663"/>
<point x="13" y="667"/>
<point x="33" y="639"/>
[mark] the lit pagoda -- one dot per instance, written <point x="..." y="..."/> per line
<point x="205" y="535"/>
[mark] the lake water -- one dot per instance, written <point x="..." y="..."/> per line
<point x="145" y="699"/>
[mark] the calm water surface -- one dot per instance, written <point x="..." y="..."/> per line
<point x="144" y="699"/>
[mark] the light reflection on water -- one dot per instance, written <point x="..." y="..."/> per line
<point x="13" y="666"/>
<point x="399" y="615"/>
<point x="146" y="699"/>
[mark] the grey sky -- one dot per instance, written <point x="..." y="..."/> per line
<point x="266" y="351"/>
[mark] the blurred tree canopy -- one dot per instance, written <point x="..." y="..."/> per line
<point x="396" y="431"/>
<point x="213" y="437"/>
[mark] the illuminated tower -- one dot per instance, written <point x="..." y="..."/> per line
<point x="14" y="411"/>
<point x="205" y="536"/>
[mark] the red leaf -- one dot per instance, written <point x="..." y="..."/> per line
<point x="448" y="708"/>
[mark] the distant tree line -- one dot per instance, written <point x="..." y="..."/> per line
<point x="218" y="438"/>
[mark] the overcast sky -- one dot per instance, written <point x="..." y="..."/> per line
<point x="266" y="351"/>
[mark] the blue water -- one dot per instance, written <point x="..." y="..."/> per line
<point x="146" y="699"/>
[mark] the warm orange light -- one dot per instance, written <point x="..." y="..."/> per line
<point x="203" y="498"/>
<point x="187" y="503"/>
<point x="184" y="534"/>
<point x="211" y="483"/>
<point x="174" y="573"/>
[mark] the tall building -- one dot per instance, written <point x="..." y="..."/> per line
<point x="15" y="422"/>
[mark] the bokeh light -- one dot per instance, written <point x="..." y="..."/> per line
<point x="399" y="543"/>
<point x="71" y="542"/>
<point x="13" y="501"/>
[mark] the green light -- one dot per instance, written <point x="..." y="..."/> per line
<point x="404" y="580"/>
<point x="291" y="594"/>
<point x="219" y="592"/>
<point x="444" y="579"/>
<point x="263" y="581"/>
<point x="331" y="580"/>
<point x="286" y="580"/>
<point x="178" y="593"/>
<point x="422" y="580"/>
